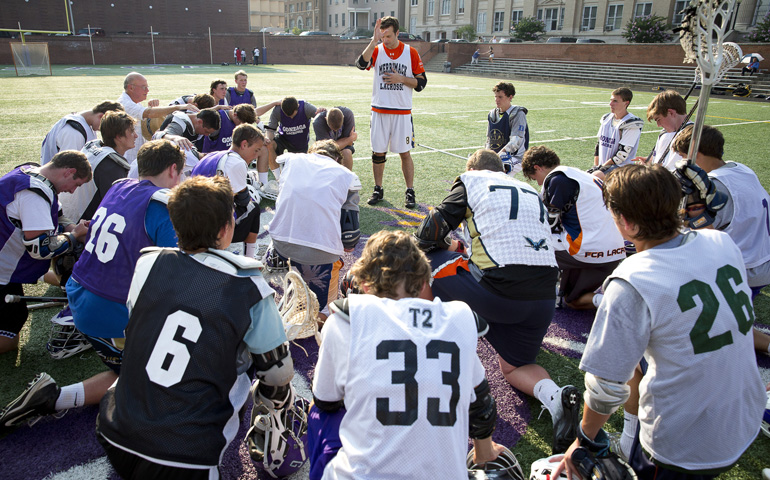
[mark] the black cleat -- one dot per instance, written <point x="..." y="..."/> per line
<point x="37" y="400"/>
<point x="409" y="200"/>
<point x="377" y="195"/>
<point x="566" y="418"/>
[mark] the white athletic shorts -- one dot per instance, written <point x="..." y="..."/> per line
<point x="394" y="130"/>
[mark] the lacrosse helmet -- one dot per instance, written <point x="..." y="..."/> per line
<point x="541" y="469"/>
<point x="504" y="467"/>
<point x="766" y="417"/>
<point x="274" y="262"/>
<point x="348" y="285"/>
<point x="270" y="190"/>
<point x="65" y="340"/>
<point x="277" y="439"/>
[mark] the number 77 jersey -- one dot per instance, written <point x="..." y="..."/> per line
<point x="407" y="372"/>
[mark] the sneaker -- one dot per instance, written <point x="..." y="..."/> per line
<point x="615" y="445"/>
<point x="409" y="200"/>
<point x="38" y="399"/>
<point x="377" y="195"/>
<point x="766" y="474"/>
<point x="566" y="418"/>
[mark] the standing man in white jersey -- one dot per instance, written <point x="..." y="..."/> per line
<point x="75" y="130"/>
<point x="396" y="370"/>
<point x="676" y="315"/>
<point x="618" y="137"/>
<point x="398" y="70"/>
<point x="746" y="212"/>
<point x="135" y="91"/>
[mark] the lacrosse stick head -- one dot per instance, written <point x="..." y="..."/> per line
<point x="270" y="190"/>
<point x="705" y="24"/>
<point x="298" y="307"/>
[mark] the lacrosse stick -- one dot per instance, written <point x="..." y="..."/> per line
<point x="705" y="24"/>
<point x="298" y="308"/>
<point x="21" y="298"/>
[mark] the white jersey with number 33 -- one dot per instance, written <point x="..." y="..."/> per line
<point x="407" y="378"/>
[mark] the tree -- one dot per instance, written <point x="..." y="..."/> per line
<point x="467" y="32"/>
<point x="528" y="28"/>
<point x="296" y="30"/>
<point x="647" y="29"/>
<point x="761" y="32"/>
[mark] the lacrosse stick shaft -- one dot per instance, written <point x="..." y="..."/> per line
<point x="700" y="120"/>
<point x="39" y="306"/>
<point x="442" y="151"/>
<point x="20" y="298"/>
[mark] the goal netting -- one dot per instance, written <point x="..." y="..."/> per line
<point x="31" y="58"/>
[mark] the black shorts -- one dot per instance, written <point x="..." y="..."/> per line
<point x="129" y="465"/>
<point x="578" y="278"/>
<point x="247" y="225"/>
<point x="281" y="146"/>
<point x="12" y="315"/>
<point x="516" y="327"/>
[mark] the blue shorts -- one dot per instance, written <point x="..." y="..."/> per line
<point x="646" y="469"/>
<point x="94" y="315"/>
<point x="516" y="327"/>
<point x="323" y="439"/>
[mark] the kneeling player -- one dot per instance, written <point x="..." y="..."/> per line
<point x="681" y="306"/>
<point x="366" y="342"/>
<point x="188" y="355"/>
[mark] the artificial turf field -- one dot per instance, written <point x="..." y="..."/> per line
<point x="449" y="115"/>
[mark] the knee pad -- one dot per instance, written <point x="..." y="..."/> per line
<point x="378" y="158"/>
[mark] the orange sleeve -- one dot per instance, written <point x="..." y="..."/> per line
<point x="374" y="58"/>
<point x="417" y="66"/>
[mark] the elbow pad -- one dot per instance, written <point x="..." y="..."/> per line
<point x="46" y="246"/>
<point x="422" y="80"/>
<point x="350" y="228"/>
<point x="242" y="198"/>
<point x="514" y="144"/>
<point x="482" y="414"/>
<point x="603" y="396"/>
<point x="275" y="369"/>
<point x="362" y="64"/>
<point x="622" y="154"/>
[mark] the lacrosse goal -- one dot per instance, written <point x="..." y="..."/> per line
<point x="31" y="58"/>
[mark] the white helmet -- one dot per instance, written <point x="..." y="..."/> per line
<point x="541" y="469"/>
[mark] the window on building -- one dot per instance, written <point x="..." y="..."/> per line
<point x="643" y="9"/>
<point x="679" y="6"/>
<point x="300" y="23"/>
<point x="412" y="24"/>
<point x="392" y="13"/>
<point x="460" y="6"/>
<point x="499" y="23"/>
<point x="516" y="16"/>
<point x="431" y="5"/>
<point x="291" y="23"/>
<point x="552" y="17"/>
<point x="336" y="19"/>
<point x="445" y="7"/>
<point x="614" y="17"/>
<point x="309" y="6"/>
<point x="589" y="18"/>
<point x="414" y="3"/>
<point x="481" y="22"/>
<point x="330" y="21"/>
<point x="291" y="8"/>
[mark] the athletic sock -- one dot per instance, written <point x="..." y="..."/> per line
<point x="597" y="299"/>
<point x="251" y="249"/>
<point x="547" y="392"/>
<point x="71" y="396"/>
<point x="276" y="173"/>
<point x="262" y="178"/>
<point x="630" y="422"/>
